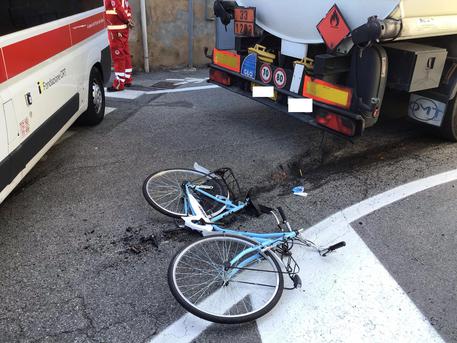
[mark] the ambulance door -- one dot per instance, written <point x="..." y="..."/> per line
<point x="5" y="166"/>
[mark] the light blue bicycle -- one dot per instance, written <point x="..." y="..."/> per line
<point x="230" y="276"/>
<point x="217" y="192"/>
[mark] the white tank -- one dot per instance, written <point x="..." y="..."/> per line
<point x="296" y="20"/>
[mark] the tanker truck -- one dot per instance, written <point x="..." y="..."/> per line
<point x="336" y="59"/>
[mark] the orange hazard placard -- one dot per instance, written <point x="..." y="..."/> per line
<point x="246" y="14"/>
<point x="244" y="29"/>
<point x="244" y="21"/>
<point x="333" y="28"/>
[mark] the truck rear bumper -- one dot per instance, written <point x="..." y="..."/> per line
<point x="242" y="85"/>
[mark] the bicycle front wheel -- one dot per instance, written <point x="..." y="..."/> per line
<point x="201" y="281"/>
<point x="164" y="191"/>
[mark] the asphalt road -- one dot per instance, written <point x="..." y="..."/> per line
<point x="83" y="257"/>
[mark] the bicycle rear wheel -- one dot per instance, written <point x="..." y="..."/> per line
<point x="164" y="192"/>
<point x="201" y="283"/>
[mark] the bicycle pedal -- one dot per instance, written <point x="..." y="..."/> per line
<point x="297" y="281"/>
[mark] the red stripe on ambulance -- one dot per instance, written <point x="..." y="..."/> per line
<point x="28" y="53"/>
<point x="3" y="76"/>
<point x="23" y="55"/>
<point x="86" y="28"/>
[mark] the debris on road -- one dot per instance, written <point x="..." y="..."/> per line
<point x="299" y="191"/>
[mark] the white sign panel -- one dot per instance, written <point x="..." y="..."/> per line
<point x="426" y="110"/>
<point x="296" y="79"/>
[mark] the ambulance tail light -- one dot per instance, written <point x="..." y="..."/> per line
<point x="220" y="77"/>
<point x="337" y="123"/>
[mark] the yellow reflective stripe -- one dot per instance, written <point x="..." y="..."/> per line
<point x="116" y="27"/>
<point x="110" y="12"/>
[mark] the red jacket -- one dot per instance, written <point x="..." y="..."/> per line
<point x="116" y="15"/>
<point x="127" y="7"/>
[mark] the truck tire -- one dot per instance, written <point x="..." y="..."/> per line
<point x="449" y="126"/>
<point x="96" y="100"/>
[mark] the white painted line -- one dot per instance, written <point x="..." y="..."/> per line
<point x="346" y="297"/>
<point x="180" y="90"/>
<point x="300" y="105"/>
<point x="132" y="94"/>
<point x="109" y="110"/>
<point x="187" y="80"/>
<point x="125" y="94"/>
<point x="370" y="205"/>
<point x="263" y="92"/>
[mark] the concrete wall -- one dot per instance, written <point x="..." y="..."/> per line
<point x="168" y="33"/>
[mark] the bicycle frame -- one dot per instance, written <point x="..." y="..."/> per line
<point x="230" y="206"/>
<point x="266" y="241"/>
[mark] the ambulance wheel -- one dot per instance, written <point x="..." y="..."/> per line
<point x="449" y="126"/>
<point x="96" y="100"/>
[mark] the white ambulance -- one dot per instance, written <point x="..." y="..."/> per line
<point x="54" y="62"/>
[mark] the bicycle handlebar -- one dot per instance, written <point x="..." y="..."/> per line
<point x="337" y="246"/>
<point x="332" y="248"/>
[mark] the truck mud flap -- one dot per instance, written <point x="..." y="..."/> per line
<point x="368" y="78"/>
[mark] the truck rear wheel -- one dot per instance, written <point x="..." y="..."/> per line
<point x="96" y="100"/>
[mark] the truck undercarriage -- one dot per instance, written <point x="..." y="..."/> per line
<point x="346" y="76"/>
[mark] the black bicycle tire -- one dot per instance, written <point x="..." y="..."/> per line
<point x="218" y="319"/>
<point x="162" y="210"/>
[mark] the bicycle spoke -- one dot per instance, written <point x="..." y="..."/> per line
<point x="204" y="283"/>
<point x="164" y="191"/>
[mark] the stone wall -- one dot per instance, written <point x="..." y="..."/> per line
<point x="168" y="33"/>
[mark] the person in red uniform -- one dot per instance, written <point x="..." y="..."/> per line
<point x="118" y="22"/>
<point x="128" y="57"/>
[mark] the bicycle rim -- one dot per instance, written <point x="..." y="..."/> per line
<point x="199" y="282"/>
<point x="163" y="191"/>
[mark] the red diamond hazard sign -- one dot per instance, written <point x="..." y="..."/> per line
<point x="333" y="28"/>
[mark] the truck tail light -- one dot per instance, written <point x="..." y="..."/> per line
<point x="336" y="123"/>
<point x="220" y="77"/>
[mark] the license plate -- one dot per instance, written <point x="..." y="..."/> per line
<point x="275" y="93"/>
<point x="426" y="110"/>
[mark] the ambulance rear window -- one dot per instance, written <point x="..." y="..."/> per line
<point x="19" y="15"/>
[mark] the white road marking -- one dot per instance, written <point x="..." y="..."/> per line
<point x="179" y="90"/>
<point x="109" y="110"/>
<point x="346" y="297"/>
<point x="187" y="80"/>
<point x="128" y="94"/>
